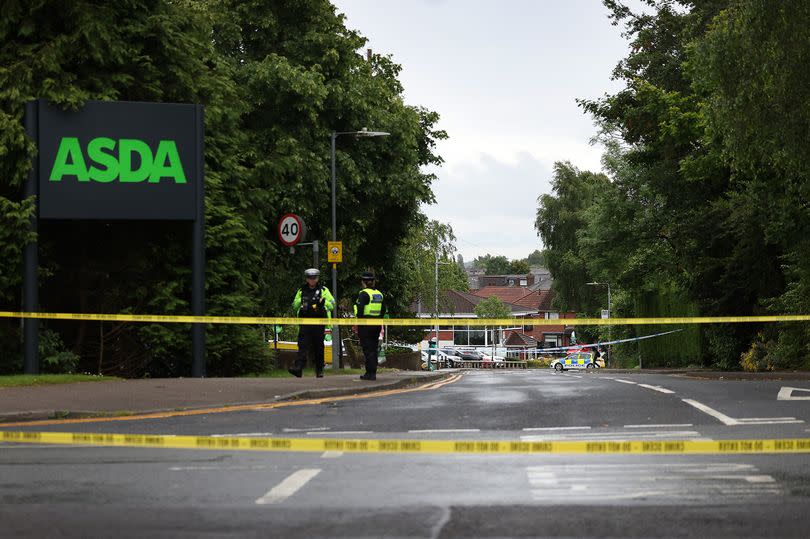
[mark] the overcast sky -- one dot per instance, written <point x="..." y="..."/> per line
<point x="504" y="77"/>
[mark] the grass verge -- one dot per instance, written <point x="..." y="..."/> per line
<point x="19" y="380"/>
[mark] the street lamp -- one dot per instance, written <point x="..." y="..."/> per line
<point x="436" y="306"/>
<point x="336" y="343"/>
<point x="610" y="327"/>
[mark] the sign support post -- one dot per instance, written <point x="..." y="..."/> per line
<point x="30" y="299"/>
<point x="198" y="257"/>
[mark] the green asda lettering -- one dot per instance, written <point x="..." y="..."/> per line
<point x="107" y="166"/>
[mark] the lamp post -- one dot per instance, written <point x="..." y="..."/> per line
<point x="337" y="345"/>
<point x="436" y="306"/>
<point x="610" y="327"/>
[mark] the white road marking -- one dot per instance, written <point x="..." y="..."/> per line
<point x="625" y="381"/>
<point x="723" y="418"/>
<point x="785" y="394"/>
<point x="214" y="468"/>
<point x="331" y="454"/>
<point x="727" y="420"/>
<point x="660" y="426"/>
<point x="656" y="388"/>
<point x="528" y="429"/>
<point x="289" y="486"/>
<point x="633" y="435"/>
<point x="241" y="434"/>
<point x="443" y="430"/>
<point x="604" y="483"/>
<point x="310" y="429"/>
<point x="340" y="432"/>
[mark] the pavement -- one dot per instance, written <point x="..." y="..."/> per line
<point x="142" y="396"/>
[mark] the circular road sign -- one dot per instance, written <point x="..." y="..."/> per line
<point x="290" y="229"/>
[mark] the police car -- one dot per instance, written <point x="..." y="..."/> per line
<point x="578" y="360"/>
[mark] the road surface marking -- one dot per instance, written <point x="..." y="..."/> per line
<point x="723" y="418"/>
<point x="660" y="426"/>
<point x="727" y="420"/>
<point x="241" y="434"/>
<point x="443" y="430"/>
<point x="785" y="394"/>
<point x="656" y="388"/>
<point x="214" y="468"/>
<point x="289" y="486"/>
<point x="241" y="407"/>
<point x="331" y="454"/>
<point x="339" y="432"/>
<point x="529" y="429"/>
<point x="634" y="435"/>
<point x="311" y="429"/>
<point x="625" y="381"/>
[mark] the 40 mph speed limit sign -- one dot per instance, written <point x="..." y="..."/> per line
<point x="290" y="229"/>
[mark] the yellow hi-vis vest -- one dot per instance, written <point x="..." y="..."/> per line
<point x="373" y="308"/>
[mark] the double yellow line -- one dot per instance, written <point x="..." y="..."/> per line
<point x="508" y="322"/>
<point x="236" y="408"/>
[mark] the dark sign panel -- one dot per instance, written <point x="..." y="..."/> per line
<point x="119" y="160"/>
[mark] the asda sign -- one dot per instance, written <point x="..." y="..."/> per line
<point x="120" y="160"/>
<point x="101" y="163"/>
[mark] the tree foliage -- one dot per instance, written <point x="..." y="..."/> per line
<point x="707" y="201"/>
<point x="275" y="79"/>
<point x="492" y="307"/>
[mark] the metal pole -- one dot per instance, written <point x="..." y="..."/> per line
<point x="315" y="262"/>
<point x="436" y="307"/>
<point x="198" y="259"/>
<point x="337" y="345"/>
<point x="610" y="327"/>
<point x="30" y="298"/>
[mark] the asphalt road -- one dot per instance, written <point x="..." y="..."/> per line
<point x="78" y="491"/>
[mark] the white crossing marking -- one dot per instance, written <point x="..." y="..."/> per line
<point x="581" y="484"/>
<point x="241" y="434"/>
<point x="443" y="430"/>
<point x="723" y="418"/>
<point x="340" y="432"/>
<point x="554" y="428"/>
<point x="615" y="435"/>
<point x="625" y="381"/>
<point x="727" y="420"/>
<point x="656" y="388"/>
<point x="310" y="429"/>
<point x="786" y="394"/>
<point x="331" y="454"/>
<point x="289" y="486"/>
<point x="659" y="426"/>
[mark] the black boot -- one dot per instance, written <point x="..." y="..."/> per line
<point x="319" y="374"/>
<point x="296" y="372"/>
<point x="368" y="376"/>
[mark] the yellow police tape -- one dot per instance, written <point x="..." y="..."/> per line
<point x="427" y="322"/>
<point x="487" y="447"/>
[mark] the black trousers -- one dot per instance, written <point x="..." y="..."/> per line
<point x="310" y="341"/>
<point x="369" y="342"/>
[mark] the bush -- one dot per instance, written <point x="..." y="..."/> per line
<point x="539" y="363"/>
<point x="54" y="359"/>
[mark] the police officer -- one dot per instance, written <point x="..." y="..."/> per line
<point x="313" y="300"/>
<point x="369" y="304"/>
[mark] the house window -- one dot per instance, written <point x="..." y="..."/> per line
<point x="476" y="337"/>
<point x="552" y="316"/>
<point x="528" y="328"/>
<point x="524" y="282"/>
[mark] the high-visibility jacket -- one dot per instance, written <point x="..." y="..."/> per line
<point x="369" y="304"/>
<point x="315" y="302"/>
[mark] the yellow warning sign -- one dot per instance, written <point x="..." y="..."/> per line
<point x="335" y="252"/>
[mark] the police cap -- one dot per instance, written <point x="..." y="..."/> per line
<point x="312" y="272"/>
<point x="367" y="276"/>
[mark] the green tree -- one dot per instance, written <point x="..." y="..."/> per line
<point x="519" y="267"/>
<point x="536" y="258"/>
<point x="492" y="307"/>
<point x="276" y="79"/>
